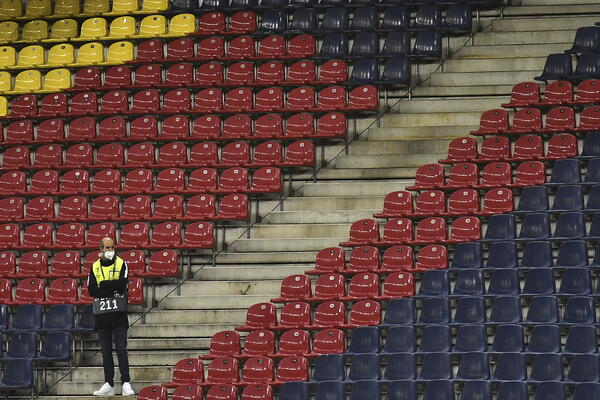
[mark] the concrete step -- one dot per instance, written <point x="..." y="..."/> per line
<point x="334" y="173"/>
<point x="518" y="38"/>
<point x="225" y="288"/>
<point x="354" y="188"/>
<point x="87" y="374"/>
<point x="331" y="203"/>
<point x="545" y="23"/>
<point x="298" y="230"/>
<point x="449" y="104"/>
<point x="285" y="245"/>
<point x="552" y="9"/>
<point x="566" y="7"/>
<point x="480" y="78"/>
<point x="387" y="160"/>
<point x="180" y="330"/>
<point x="233" y="312"/>
<point x="465" y="90"/>
<point x="314" y="217"/>
<point x="249" y="272"/>
<point x="497" y="64"/>
<point x="79" y="387"/>
<point x="391" y="133"/>
<point x="144" y="358"/>
<point x="165" y="343"/>
<point x="304" y="258"/>
<point x="433" y="119"/>
<point x="504" y="51"/>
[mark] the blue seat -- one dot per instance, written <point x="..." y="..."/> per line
<point x="592" y="175"/>
<point x="435" y="366"/>
<point x="400" y="339"/>
<point x="570" y="225"/>
<point x="402" y="390"/>
<point x="366" y="44"/>
<point x="18" y="375"/>
<point x="581" y="339"/>
<point x="588" y="67"/>
<point x="434" y="310"/>
<point x="435" y="338"/>
<point x="397" y="43"/>
<point x="587" y="391"/>
<point x="583" y="368"/>
<point x="544" y="339"/>
<point x="468" y="282"/>
<point x="500" y="227"/>
<point x="504" y="282"/>
<point x="508" y="339"/>
<point x="329" y="367"/>
<point x="576" y="282"/>
<point x="549" y="391"/>
<point x="594" y="232"/>
<point x="56" y="346"/>
<point x="274" y="3"/>
<point x="27" y="318"/>
<point x="539" y="281"/>
<point x="470" y="310"/>
<point x="428" y="17"/>
<point x="473" y="366"/>
<point x="22" y="345"/>
<point x="505" y="310"/>
<point x="542" y="310"/>
<point x="467" y="255"/>
<point x="335" y="19"/>
<point x="396" y="72"/>
<point x="364" y="340"/>
<point x="476" y="390"/>
<point x="3" y="317"/>
<point x="439" y="390"/>
<point x="244" y="4"/>
<point x="579" y="310"/>
<point x="532" y="199"/>
<point x="470" y="338"/>
<point x="535" y="226"/>
<point x="546" y="367"/>
<point x="428" y="46"/>
<point x="568" y="198"/>
<point x="565" y="171"/>
<point x="293" y="391"/>
<point x="510" y="367"/>
<point x="304" y="19"/>
<point x="591" y="145"/>
<point x="587" y="40"/>
<point x="400" y="366"/>
<point x="558" y="67"/>
<point x="334" y="45"/>
<point x="593" y="203"/>
<point x="274" y="20"/>
<point x="537" y="254"/>
<point x="367" y="389"/>
<point x="59" y="317"/>
<point x="86" y="320"/>
<point x="399" y="312"/>
<point x="214" y="4"/>
<point x="183" y="5"/>
<point x="396" y="18"/>
<point x="572" y="254"/>
<point x="364" y="19"/>
<point x="364" y="366"/>
<point x="365" y="70"/>
<point x="512" y="391"/>
<point x="458" y="19"/>
<point x="330" y="391"/>
<point x="434" y="283"/>
<point x="502" y="255"/>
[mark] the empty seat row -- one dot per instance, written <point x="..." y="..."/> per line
<point x="13" y="9"/>
<point x="56" y="317"/>
<point x="559" y="66"/>
<point x="51" y="347"/>
<point x="234" y="4"/>
<point x="32" y="80"/>
<point x="172" y="180"/>
<point x="526" y="94"/>
<point x="203" y="207"/>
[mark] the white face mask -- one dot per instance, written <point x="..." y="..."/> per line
<point x="109" y="254"/>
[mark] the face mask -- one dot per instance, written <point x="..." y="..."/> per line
<point x="109" y="255"/>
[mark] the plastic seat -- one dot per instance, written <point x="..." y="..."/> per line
<point x="39" y="208"/>
<point x="328" y="287"/>
<point x="510" y="367"/>
<point x="581" y="339"/>
<point x="429" y="176"/>
<point x="583" y="368"/>
<point x="242" y="22"/>
<point x="270" y="73"/>
<point x="399" y="312"/>
<point x="558" y="66"/>
<point x="586" y="391"/>
<point x="363" y="232"/>
<point x="503" y="282"/>
<point x="259" y="343"/>
<point x="544" y="339"/>
<point x="579" y="310"/>
<point x="505" y="309"/>
<point x="587" y="67"/>
<point x="427" y="46"/>
<point x="434" y="311"/>
<point x="542" y="310"/>
<point x="468" y="255"/>
<point x="79" y="155"/>
<point x="185" y="372"/>
<point x="539" y="281"/>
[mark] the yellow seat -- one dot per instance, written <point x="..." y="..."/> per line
<point x="31" y="56"/>
<point x="120" y="52"/>
<point x="122" y="27"/>
<point x="38" y="8"/>
<point x="64" y="29"/>
<point x="34" y="31"/>
<point x="61" y="54"/>
<point x="92" y="28"/>
<point x="153" y="26"/>
<point x="65" y="8"/>
<point x="5" y="82"/>
<point x="182" y="24"/>
<point x="28" y="81"/>
<point x="124" y="6"/>
<point x="9" y="32"/>
<point x="8" y="57"/>
<point x="57" y="79"/>
<point x="10" y="9"/>
<point x="3" y="107"/>
<point x="95" y="7"/>
<point x="90" y="53"/>
<point x="155" y="5"/>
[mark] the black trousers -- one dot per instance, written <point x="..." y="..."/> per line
<point x="106" y="336"/>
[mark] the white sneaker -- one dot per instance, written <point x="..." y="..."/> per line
<point x="105" y="390"/>
<point x="127" y="390"/>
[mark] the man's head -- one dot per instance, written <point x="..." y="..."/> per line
<point x="107" y="247"/>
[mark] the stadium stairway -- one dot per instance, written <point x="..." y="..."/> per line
<point x="318" y="214"/>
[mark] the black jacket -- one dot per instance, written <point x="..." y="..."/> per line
<point x="107" y="289"/>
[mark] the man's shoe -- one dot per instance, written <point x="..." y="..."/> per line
<point x="127" y="390"/>
<point x="105" y="390"/>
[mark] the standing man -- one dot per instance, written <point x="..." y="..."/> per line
<point x="107" y="283"/>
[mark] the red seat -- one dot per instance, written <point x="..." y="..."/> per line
<point x="166" y="235"/>
<point x="463" y="175"/>
<point x="31" y="265"/>
<point x="463" y="202"/>
<point x="140" y="154"/>
<point x="163" y="263"/>
<point x="65" y="263"/>
<point x="135" y="290"/>
<point x="293" y="342"/>
<point x="51" y="130"/>
<point x="430" y="202"/>
<point x="363" y="286"/>
<point x="526" y="120"/>
<point x="145" y="127"/>
<point x="14" y="182"/>
<point x="37" y="236"/>
<point x="301" y="98"/>
<point x="561" y="146"/>
<point x="146" y="101"/>
<point x="364" y="313"/>
<point x="176" y="126"/>
<point x="6" y="295"/>
<point x="234" y="180"/>
<point x="333" y="71"/>
<point x="180" y="49"/>
<point x="234" y="154"/>
<point x="19" y="132"/>
<point x="49" y="155"/>
<point x="201" y="206"/>
<point x="82" y="129"/>
<point x="135" y="235"/>
<point x="461" y="150"/>
<point x="171" y="180"/>
<point x="429" y="176"/>
<point x="84" y="296"/>
<point x="465" y="229"/>
<point x="202" y="180"/>
<point x="330" y="259"/>
<point x="16" y="157"/>
<point x="363" y="232"/>
<point x="294" y="314"/>
<point x="496" y="174"/>
<point x="222" y="392"/>
<point x="431" y="230"/>
<point x="106" y="181"/>
<point x="269" y="99"/>
<point x="330" y="314"/>
<point x="397" y="285"/>
<point x="113" y="128"/>
<point x="492" y="122"/>
<point x="328" y="341"/>
<point x="238" y="100"/>
<point x="495" y="148"/>
<point x="498" y="201"/>
<point x="269" y="126"/>
<point x="211" y="23"/>
<point x="302" y="72"/>
<point x="222" y="344"/>
<point x="528" y="147"/>
<point x="589" y="119"/>
<point x="189" y="371"/>
<point x="84" y="103"/>
<point x="270" y="73"/>
<point x="8" y="266"/>
<point x="185" y="392"/>
<point x="256" y="370"/>
<point x="272" y="47"/>
<point x="211" y="48"/>
<point x="332" y="98"/>
<point x="293" y="368"/>
<point x="179" y="75"/>
<point x="294" y="288"/>
<point x="259" y="343"/>
<point x="363" y="98"/>
<point x="11" y="208"/>
<point x="524" y="94"/>
<point x="267" y="180"/>
<point x="300" y="125"/>
<point x="98" y="232"/>
<point x="330" y="286"/>
<point x="332" y="125"/>
<point x="396" y="231"/>
<point x="176" y="101"/>
<point x="115" y="102"/>
<point x="199" y="235"/>
<point x="148" y="75"/>
<point x="138" y="181"/>
<point x="29" y="291"/>
<point x="62" y="291"/>
<point x="204" y="154"/>
<point x="10" y="236"/>
<point x="432" y="256"/>
<point x="70" y="236"/>
<point x="110" y="155"/>
<point x="104" y="208"/>
<point x="299" y="153"/>
<point x="234" y="207"/>
<point x="117" y="77"/>
<point x="588" y="92"/>
<point x="74" y="208"/>
<point x="154" y="392"/>
<point x="301" y="46"/>
<point x="560" y="119"/>
<point x="54" y="104"/>
<point x="558" y="92"/>
<point x="267" y="154"/>
<point x="241" y="48"/>
<point x="168" y="207"/>
<point x="136" y="262"/>
<point x="206" y="127"/>
<point x="529" y="174"/>
<point x="259" y="316"/>
<point x="150" y="50"/>
<point x="89" y="78"/>
<point x="39" y="209"/>
<point x="242" y="22"/>
<point x="24" y="106"/>
<point x="208" y="100"/>
<point x="223" y="370"/>
<point x="79" y="155"/>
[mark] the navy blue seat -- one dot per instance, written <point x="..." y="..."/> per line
<point x="592" y="175"/>
<point x="335" y="19"/>
<point x="512" y="391"/>
<point x="329" y="367"/>
<point x="434" y="283"/>
<point x="565" y="171"/>
<point x="435" y="366"/>
<point x="549" y="391"/>
<point x="59" y="317"/>
<point x="458" y="19"/>
<point x="572" y="254"/>
<point x="587" y="391"/>
<point x="244" y="4"/>
<point x="558" y="67"/>
<point x="587" y="40"/>
<point x="539" y="281"/>
<point x="396" y="43"/>
<point x="505" y="310"/>
<point x="364" y="366"/>
<point x="400" y="339"/>
<point x="365" y="70"/>
<point x="183" y="5"/>
<point x="470" y="310"/>
<point x="581" y="339"/>
<point x="274" y="3"/>
<point x="502" y="255"/>
<point x="304" y="19"/>
<point x="439" y="390"/>
<point x="535" y="226"/>
<point x="576" y="282"/>
<point x="428" y="17"/>
<point x="473" y="366"/>
<point x="428" y="46"/>
<point x="56" y="346"/>
<point x="591" y="145"/>
<point x="510" y="367"/>
<point x="22" y="345"/>
<point x="503" y="282"/>
<point x="334" y="45"/>
<point x="366" y="44"/>
<point x="470" y="338"/>
<point x="588" y="67"/>
<point x="434" y="310"/>
<point x="435" y="338"/>
<point x="293" y="391"/>
<point x="532" y="199"/>
<point x="596" y="260"/>
<point x="546" y="367"/>
<point x="584" y="368"/>
<point x="86" y="320"/>
<point x="542" y="310"/>
<point x="594" y="232"/>
<point x="18" y="375"/>
<point x="467" y="255"/>
<point x="593" y="203"/>
<point x="364" y="340"/>
<point x="402" y="390"/>
<point x="27" y="318"/>
<point x="330" y="391"/>
<point x="3" y="317"/>
<point x="570" y="225"/>
<point x="399" y="312"/>
<point x="500" y="227"/>
<point x="544" y="339"/>
<point x="468" y="282"/>
<point x="476" y="390"/>
<point x="537" y="254"/>
<point x="396" y="18"/>
<point x="396" y="72"/>
<point x="400" y="366"/>
<point x="274" y="20"/>
<point x="579" y="310"/>
<point x="568" y="198"/>
<point x="508" y="339"/>
<point x="368" y="389"/>
<point x="214" y="4"/>
<point x="333" y="2"/>
<point x="364" y="19"/>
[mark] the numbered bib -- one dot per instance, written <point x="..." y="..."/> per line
<point x="106" y="305"/>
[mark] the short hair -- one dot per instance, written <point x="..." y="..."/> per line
<point x="104" y="238"/>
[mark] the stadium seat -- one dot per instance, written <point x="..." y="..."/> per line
<point x="558" y="66"/>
